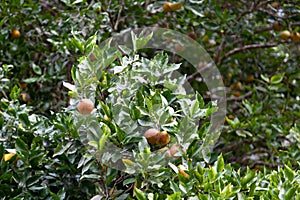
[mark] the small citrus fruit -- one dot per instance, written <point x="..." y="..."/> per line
<point x="15" y="34"/>
<point x="167" y="7"/>
<point x="285" y="35"/>
<point x="152" y="135"/>
<point x="163" y="138"/>
<point x="85" y="106"/>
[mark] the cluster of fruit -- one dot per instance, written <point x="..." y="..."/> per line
<point x="287" y="35"/>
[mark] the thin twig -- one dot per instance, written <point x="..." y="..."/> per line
<point x="119" y="15"/>
<point x="246" y="47"/>
<point x="241" y="97"/>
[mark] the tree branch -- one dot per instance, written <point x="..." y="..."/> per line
<point x="246" y="47"/>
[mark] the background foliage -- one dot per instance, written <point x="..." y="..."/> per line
<point x="260" y="140"/>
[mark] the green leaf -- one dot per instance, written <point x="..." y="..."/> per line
<point x="277" y="78"/>
<point x="249" y="176"/>
<point x="289" y="173"/>
<point x="220" y="163"/>
<point x="175" y="196"/>
<point x="62" y="148"/>
<point x="290" y="193"/>
<point x="139" y="194"/>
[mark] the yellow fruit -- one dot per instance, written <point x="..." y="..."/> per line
<point x="26" y="97"/>
<point x="275" y="4"/>
<point x="152" y="135"/>
<point x="277" y="26"/>
<point x="229" y="75"/>
<point x="175" y="6"/>
<point x="8" y="156"/>
<point x="15" y="34"/>
<point x="167" y="7"/>
<point x="285" y="35"/>
<point x="181" y="171"/>
<point x="231" y="117"/>
<point x="250" y="78"/>
<point x="85" y="106"/>
<point x="163" y="138"/>
<point x="238" y="85"/>
<point x="295" y="37"/>
<point x="236" y="93"/>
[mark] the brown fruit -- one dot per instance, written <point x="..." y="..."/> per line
<point x="192" y="35"/>
<point x="295" y="37"/>
<point x="15" y="34"/>
<point x="285" y="35"/>
<point x="85" y="106"/>
<point x="152" y="135"/>
<point x="163" y="138"/>
<point x="167" y="7"/>
<point x="179" y="47"/>
<point x="250" y="78"/>
<point x="181" y="171"/>
<point x="175" y="6"/>
<point x="277" y="26"/>
<point x="173" y="150"/>
<point x="236" y="93"/>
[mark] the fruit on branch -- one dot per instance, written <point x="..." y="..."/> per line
<point x="176" y="6"/>
<point x="285" y="35"/>
<point x="168" y="7"/>
<point x="163" y="138"/>
<point x="173" y="150"/>
<point x="295" y="37"/>
<point x="15" y="34"/>
<point x="277" y="26"/>
<point x="275" y="4"/>
<point x="182" y="171"/>
<point x="85" y="106"/>
<point x="154" y="136"/>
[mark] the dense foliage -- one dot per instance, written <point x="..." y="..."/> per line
<point x="45" y="58"/>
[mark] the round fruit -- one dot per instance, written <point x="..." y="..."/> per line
<point x="173" y="150"/>
<point x="238" y="85"/>
<point x="277" y="26"/>
<point x="152" y="135"/>
<point x="192" y="35"/>
<point x="15" y="34"/>
<point x="85" y="106"/>
<point x="250" y="78"/>
<point x="275" y="4"/>
<point x="236" y="93"/>
<point x="285" y="35"/>
<point x="163" y="138"/>
<point x="167" y="7"/>
<point x="295" y="37"/>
